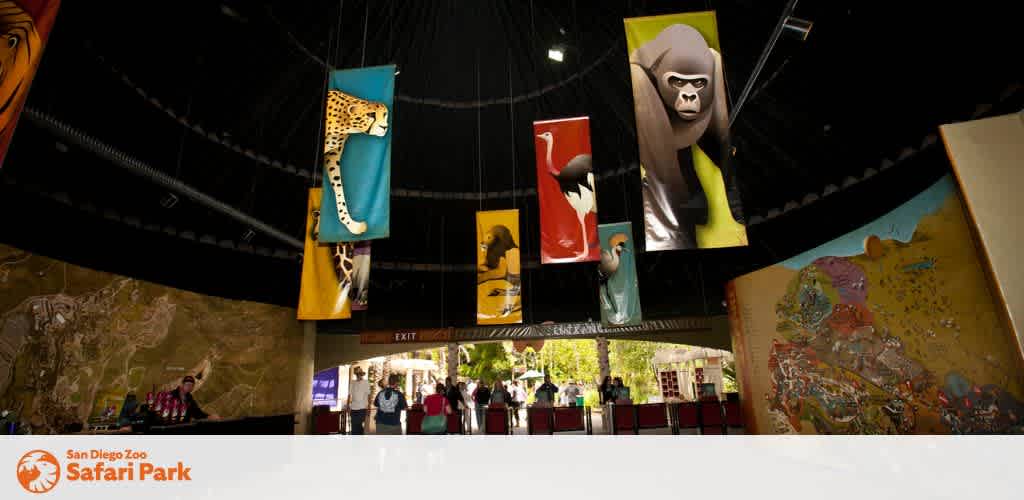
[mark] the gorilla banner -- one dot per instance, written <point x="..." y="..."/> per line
<point x="24" y="28"/>
<point x="498" y="274"/>
<point x="682" y="123"/>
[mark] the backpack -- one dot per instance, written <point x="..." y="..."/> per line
<point x="388" y="401"/>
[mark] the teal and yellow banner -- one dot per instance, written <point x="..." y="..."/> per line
<point x="620" y="294"/>
<point x="499" y="275"/>
<point x="328" y="271"/>
<point x="682" y="122"/>
<point x="357" y="155"/>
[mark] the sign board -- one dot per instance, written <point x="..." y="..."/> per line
<point x="405" y="336"/>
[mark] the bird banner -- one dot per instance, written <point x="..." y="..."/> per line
<point x="620" y="293"/>
<point x="565" y="191"/>
<point x="24" y="27"/>
<point x="357" y="154"/>
<point x="328" y="271"/>
<point x="686" y="166"/>
<point x="498" y="274"/>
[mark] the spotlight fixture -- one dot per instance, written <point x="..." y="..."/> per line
<point x="556" y="54"/>
<point x="169" y="201"/>
<point x="247" y="235"/>
<point x="797" y="28"/>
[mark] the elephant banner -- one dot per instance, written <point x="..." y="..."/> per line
<point x="566" y="191"/>
<point x="357" y="155"/>
<point x="499" y="275"/>
<point x="620" y="293"/>
<point x="24" y="27"/>
<point x="682" y="122"/>
<point x="328" y="271"/>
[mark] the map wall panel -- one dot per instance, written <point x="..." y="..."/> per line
<point x="72" y="339"/>
<point x="889" y="329"/>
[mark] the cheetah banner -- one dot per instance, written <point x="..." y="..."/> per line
<point x="357" y="155"/>
<point x="498" y="275"/>
<point x="565" y="191"/>
<point x="619" y="292"/>
<point x="892" y="328"/>
<point x="24" y="27"/>
<point x="328" y="271"/>
<point x="689" y="190"/>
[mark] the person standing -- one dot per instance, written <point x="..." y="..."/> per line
<point x="467" y="400"/>
<point x="183" y="393"/>
<point x="621" y="392"/>
<point x="481" y="397"/>
<point x="606" y="391"/>
<point x="518" y="396"/>
<point x="571" y="393"/>
<point x="358" y="401"/>
<point x="436" y="410"/>
<point x="499" y="396"/>
<point x="390" y="404"/>
<point x="547" y="390"/>
<point x="454" y="396"/>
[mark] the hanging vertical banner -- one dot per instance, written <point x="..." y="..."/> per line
<point x="620" y="293"/>
<point x="682" y="123"/>
<point x="565" y="191"/>
<point x="357" y="155"/>
<point x="498" y="276"/>
<point x="24" y="27"/>
<point x="361" y="279"/>
<point x="327" y="271"/>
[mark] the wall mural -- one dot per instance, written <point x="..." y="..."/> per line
<point x="620" y="294"/>
<point x="24" y="27"/>
<point x="566" y="192"/>
<point x="73" y="340"/>
<point x="890" y="329"/>
<point x="330" y="273"/>
<point x="357" y="155"/>
<point x="499" y="276"/>
<point x="689" y="188"/>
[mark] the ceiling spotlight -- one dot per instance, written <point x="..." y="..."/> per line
<point x="556" y="54"/>
<point x="797" y="28"/>
<point x="247" y="235"/>
<point x="169" y="201"/>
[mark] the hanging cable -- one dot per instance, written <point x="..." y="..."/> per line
<point x="136" y="166"/>
<point x="512" y="128"/>
<point x="366" y="23"/>
<point x="790" y="6"/>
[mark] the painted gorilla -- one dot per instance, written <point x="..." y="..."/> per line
<point x="679" y="91"/>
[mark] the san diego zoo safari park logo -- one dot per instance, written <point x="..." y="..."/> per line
<point x="39" y="471"/>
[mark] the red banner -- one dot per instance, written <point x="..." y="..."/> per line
<point x="24" y="28"/>
<point x="566" y="191"/>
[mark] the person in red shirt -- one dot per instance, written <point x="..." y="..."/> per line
<point x="436" y="409"/>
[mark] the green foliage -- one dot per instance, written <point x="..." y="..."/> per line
<point x="729" y="378"/>
<point x="631" y="360"/>
<point x="591" y="398"/>
<point x="487" y="361"/>
<point x="566" y="359"/>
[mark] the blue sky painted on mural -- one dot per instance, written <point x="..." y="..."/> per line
<point x="899" y="224"/>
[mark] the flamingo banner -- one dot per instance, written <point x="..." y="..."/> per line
<point x="498" y="274"/>
<point x="565" y="191"/>
<point x="620" y="293"/>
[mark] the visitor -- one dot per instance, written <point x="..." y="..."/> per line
<point x="571" y="392"/>
<point x="621" y="392"/>
<point x="358" y="401"/>
<point x="482" y="397"/>
<point x="606" y="392"/>
<point x="390" y="404"/>
<point x="499" y="396"/>
<point x="454" y="396"/>
<point x="547" y="390"/>
<point x="183" y="394"/>
<point x="467" y="402"/>
<point x="518" y="396"/>
<point x="436" y="410"/>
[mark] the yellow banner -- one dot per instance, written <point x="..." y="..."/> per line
<point x="327" y="270"/>
<point x="498" y="277"/>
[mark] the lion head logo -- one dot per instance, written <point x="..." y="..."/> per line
<point x="38" y="471"/>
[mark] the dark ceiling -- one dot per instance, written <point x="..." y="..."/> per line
<point x="873" y="81"/>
